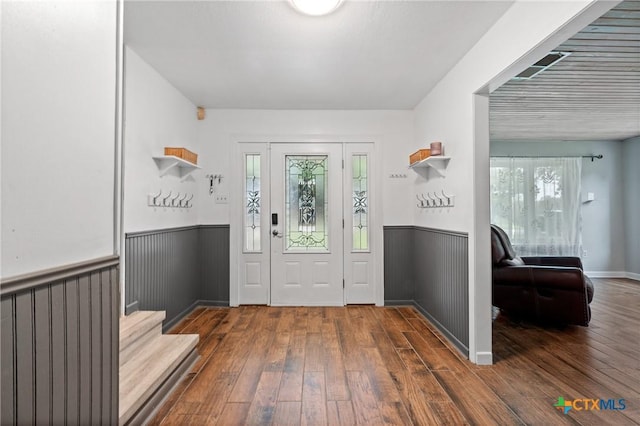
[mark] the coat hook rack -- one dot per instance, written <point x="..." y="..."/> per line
<point x="213" y="179"/>
<point x="435" y="201"/>
<point x="177" y="201"/>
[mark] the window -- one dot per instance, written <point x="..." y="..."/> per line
<point x="359" y="187"/>
<point x="537" y="202"/>
<point x="306" y="203"/>
<point x="252" y="203"/>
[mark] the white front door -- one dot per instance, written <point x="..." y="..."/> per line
<point x="306" y="225"/>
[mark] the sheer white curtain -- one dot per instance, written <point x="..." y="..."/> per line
<point x="537" y="202"/>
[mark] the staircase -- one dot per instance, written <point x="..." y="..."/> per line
<point x="151" y="364"/>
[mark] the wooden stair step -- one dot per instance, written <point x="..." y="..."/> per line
<point x="135" y="326"/>
<point x="149" y="368"/>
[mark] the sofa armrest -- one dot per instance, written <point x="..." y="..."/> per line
<point x="565" y="278"/>
<point x="568" y="261"/>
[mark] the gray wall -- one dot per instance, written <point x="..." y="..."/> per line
<point x="429" y="269"/>
<point x="175" y="269"/>
<point x="60" y="347"/>
<point x="441" y="265"/>
<point x="214" y="264"/>
<point x="631" y="196"/>
<point x="162" y="271"/>
<point x="603" y="233"/>
<point x="399" y="277"/>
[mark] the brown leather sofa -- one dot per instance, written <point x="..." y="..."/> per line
<point x="547" y="289"/>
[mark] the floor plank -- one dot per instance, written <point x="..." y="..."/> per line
<point x="263" y="406"/>
<point x="287" y="413"/>
<point x="314" y="400"/>
<point x="340" y="413"/>
<point x="234" y="414"/>
<point x="374" y="365"/>
<point x="363" y="399"/>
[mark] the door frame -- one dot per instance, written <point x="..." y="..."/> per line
<point x="236" y="203"/>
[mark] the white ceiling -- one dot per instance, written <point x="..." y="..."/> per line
<point x="265" y="55"/>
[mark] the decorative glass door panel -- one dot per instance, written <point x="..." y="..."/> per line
<point x="306" y="203"/>
<point x="252" y="203"/>
<point x="360" y="212"/>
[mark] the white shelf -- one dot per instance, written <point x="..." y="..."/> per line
<point x="437" y="162"/>
<point x="167" y="162"/>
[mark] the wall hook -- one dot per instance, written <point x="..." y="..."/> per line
<point x="174" y="199"/>
<point x="210" y="177"/>
<point x="449" y="199"/>
<point x="155" y="198"/>
<point x="187" y="202"/>
<point x="164" y="200"/>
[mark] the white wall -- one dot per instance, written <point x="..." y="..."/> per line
<point x="603" y="233"/>
<point x="631" y="202"/>
<point x="58" y="133"/>
<point x="526" y="32"/>
<point x="156" y="116"/>
<point x="391" y="130"/>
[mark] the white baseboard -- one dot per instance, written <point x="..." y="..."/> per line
<point x="633" y="276"/>
<point x="484" y="358"/>
<point x="606" y="274"/>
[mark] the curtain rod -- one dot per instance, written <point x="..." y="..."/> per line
<point x="593" y="156"/>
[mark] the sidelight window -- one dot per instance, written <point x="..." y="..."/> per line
<point x="359" y="185"/>
<point x="252" y="203"/>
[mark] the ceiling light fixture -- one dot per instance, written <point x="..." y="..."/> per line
<point x="315" y="7"/>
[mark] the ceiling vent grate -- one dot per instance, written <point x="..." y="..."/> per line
<point x="548" y="61"/>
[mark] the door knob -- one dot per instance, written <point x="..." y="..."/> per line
<point x="275" y="233"/>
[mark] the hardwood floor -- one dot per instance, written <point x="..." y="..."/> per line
<point x="368" y="365"/>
